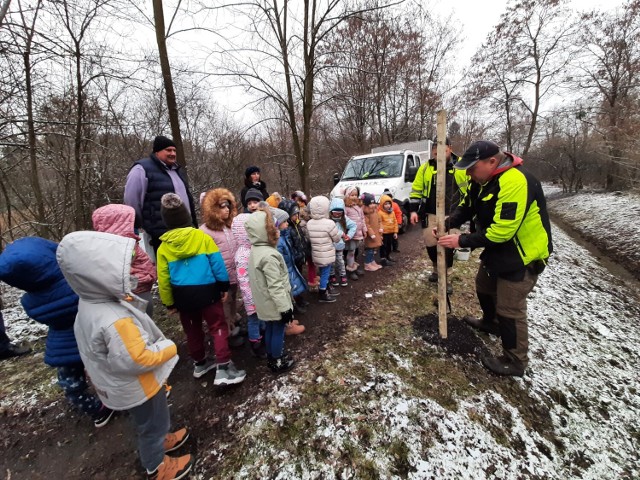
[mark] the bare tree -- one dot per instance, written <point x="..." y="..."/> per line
<point x="609" y="72"/>
<point x="524" y="60"/>
<point x="4" y="9"/>
<point x="283" y="64"/>
<point x="172" y="106"/>
<point x="386" y="71"/>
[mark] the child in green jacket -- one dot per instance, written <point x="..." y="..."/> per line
<point x="269" y="280"/>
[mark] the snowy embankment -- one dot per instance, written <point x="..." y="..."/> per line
<point x="584" y="348"/>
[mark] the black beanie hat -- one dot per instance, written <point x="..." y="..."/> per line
<point x="290" y="207"/>
<point x="253" y="194"/>
<point x="250" y="170"/>
<point x="161" y="142"/>
<point x="174" y="213"/>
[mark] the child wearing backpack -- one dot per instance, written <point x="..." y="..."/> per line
<point x="297" y="239"/>
<point x="193" y="281"/>
<point x="270" y="286"/>
<point x="126" y="355"/>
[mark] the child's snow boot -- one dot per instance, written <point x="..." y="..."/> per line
<point x="325" y="297"/>
<point x="280" y="364"/>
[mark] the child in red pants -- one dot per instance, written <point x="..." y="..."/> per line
<point x="193" y="281"/>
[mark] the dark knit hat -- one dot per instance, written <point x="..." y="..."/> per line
<point x="161" y="142"/>
<point x="480" y="150"/>
<point x="251" y="170"/>
<point x="174" y="212"/>
<point x="253" y="194"/>
<point x="367" y="199"/>
<point x="290" y="207"/>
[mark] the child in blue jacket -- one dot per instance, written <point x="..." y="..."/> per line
<point x="30" y="264"/>
<point x="296" y="280"/>
<point x="347" y="229"/>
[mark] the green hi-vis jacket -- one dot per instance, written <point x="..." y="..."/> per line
<point x="423" y="189"/>
<point x="511" y="220"/>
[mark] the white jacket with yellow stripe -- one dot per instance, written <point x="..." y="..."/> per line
<point x="125" y="354"/>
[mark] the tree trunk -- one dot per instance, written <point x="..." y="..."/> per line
<point x="172" y="105"/>
<point x="77" y="157"/>
<point x="4" y="9"/>
<point x="31" y="135"/>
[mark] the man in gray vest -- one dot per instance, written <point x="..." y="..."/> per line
<point x="148" y="180"/>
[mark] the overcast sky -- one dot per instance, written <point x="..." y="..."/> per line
<point x="475" y="18"/>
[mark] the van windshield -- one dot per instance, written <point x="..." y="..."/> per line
<point x="373" y="167"/>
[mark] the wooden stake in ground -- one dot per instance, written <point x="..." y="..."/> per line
<point x="440" y="212"/>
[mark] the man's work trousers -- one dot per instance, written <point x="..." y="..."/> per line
<point x="510" y="302"/>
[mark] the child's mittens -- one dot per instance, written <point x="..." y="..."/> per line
<point x="286" y="317"/>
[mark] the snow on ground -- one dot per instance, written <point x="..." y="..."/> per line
<point x="611" y="218"/>
<point x="584" y="348"/>
<point x="18" y="325"/>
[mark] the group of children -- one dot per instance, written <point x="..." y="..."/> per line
<point x="100" y="318"/>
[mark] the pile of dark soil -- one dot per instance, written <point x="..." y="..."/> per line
<point x="461" y="339"/>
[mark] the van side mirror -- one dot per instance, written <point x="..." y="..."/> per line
<point x="410" y="174"/>
<point x="336" y="178"/>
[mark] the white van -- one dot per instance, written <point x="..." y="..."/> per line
<point x="388" y="169"/>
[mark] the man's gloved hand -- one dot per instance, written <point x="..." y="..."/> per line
<point x="287" y="316"/>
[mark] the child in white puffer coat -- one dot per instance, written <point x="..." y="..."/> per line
<point x="323" y="234"/>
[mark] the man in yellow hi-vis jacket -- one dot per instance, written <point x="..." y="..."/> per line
<point x="423" y="202"/>
<point x="512" y="225"/>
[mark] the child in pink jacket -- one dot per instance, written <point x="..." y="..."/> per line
<point x="219" y="208"/>
<point x="243" y="249"/>
<point x="119" y="220"/>
<point x="353" y="210"/>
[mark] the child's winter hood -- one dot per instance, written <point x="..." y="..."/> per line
<point x="115" y="218"/>
<point x="30" y="264"/>
<point x="337" y="204"/>
<point x="184" y="242"/>
<point x="97" y="265"/>
<point x="385" y="198"/>
<point x="256" y="227"/>
<point x="211" y="211"/>
<point x="319" y="207"/>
